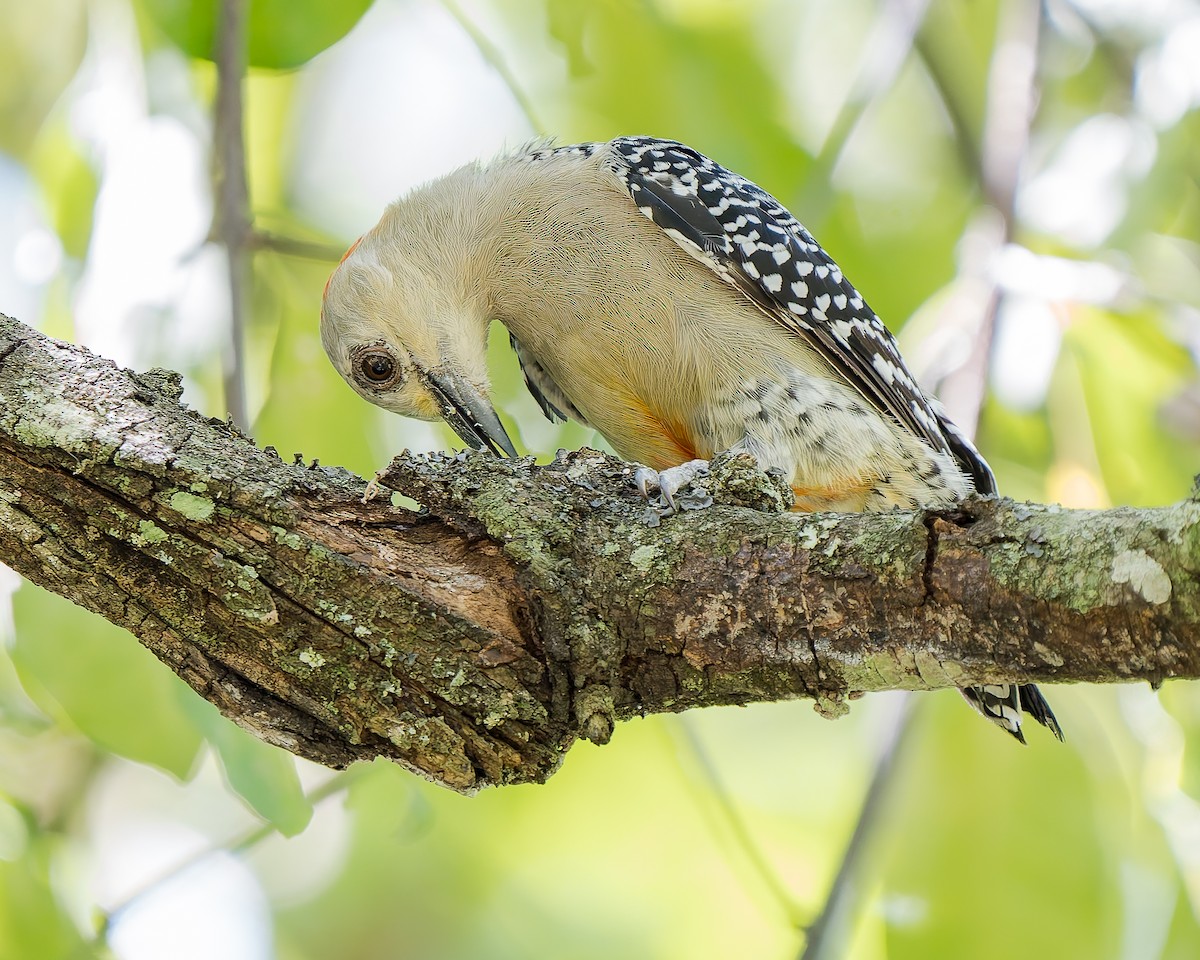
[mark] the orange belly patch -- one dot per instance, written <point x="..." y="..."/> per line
<point x="650" y="438"/>
<point x="851" y="496"/>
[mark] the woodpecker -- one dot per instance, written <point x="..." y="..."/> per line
<point x="669" y="303"/>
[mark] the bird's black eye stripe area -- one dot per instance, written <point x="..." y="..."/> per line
<point x="374" y="366"/>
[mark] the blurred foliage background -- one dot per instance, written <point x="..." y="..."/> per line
<point x="1014" y="186"/>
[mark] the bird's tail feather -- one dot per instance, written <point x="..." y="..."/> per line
<point x="1004" y="704"/>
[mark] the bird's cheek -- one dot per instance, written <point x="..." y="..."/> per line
<point x="414" y="403"/>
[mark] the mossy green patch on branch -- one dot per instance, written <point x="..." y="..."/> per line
<point x="149" y="533"/>
<point x="311" y="658"/>
<point x="643" y="558"/>
<point x="191" y="506"/>
<point x="287" y="538"/>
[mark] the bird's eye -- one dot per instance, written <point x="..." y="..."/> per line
<point x="375" y="367"/>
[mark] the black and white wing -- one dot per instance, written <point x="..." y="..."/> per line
<point x="749" y="240"/>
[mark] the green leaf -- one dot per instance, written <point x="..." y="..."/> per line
<point x="1128" y="368"/>
<point x="79" y="668"/>
<point x="283" y="33"/>
<point x="1182" y="702"/>
<point x="262" y="775"/>
<point x="986" y="833"/>
<point x="69" y="186"/>
<point x="41" y="46"/>
<point x="32" y="923"/>
<point x="566" y="21"/>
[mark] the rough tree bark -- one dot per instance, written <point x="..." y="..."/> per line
<point x="525" y="606"/>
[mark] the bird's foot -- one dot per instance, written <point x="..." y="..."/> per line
<point x="666" y="490"/>
<point x="733" y="478"/>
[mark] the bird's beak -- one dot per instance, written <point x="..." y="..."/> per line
<point x="468" y="412"/>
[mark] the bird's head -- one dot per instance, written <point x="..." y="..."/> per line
<point x="408" y="345"/>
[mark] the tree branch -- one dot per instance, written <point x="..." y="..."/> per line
<point x="527" y="606"/>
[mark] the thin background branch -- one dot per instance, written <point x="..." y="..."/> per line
<point x="496" y="60"/>
<point x="1011" y="100"/>
<point x="830" y="933"/>
<point x="1007" y="119"/>
<point x="885" y="53"/>
<point x="294" y="247"/>
<point x="727" y="811"/>
<point x="232" y="221"/>
<point x="336" y="784"/>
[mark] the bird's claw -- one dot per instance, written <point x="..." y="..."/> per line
<point x="668" y="483"/>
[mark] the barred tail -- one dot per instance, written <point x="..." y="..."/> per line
<point x="1003" y="703"/>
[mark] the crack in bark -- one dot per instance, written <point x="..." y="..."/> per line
<point x="929" y="522"/>
<point x="8" y="349"/>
